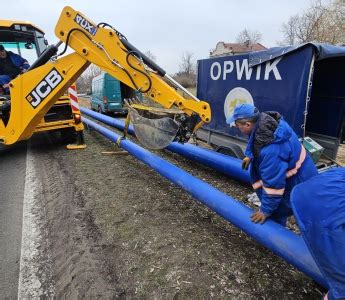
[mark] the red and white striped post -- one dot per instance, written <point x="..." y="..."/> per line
<point x="72" y="92"/>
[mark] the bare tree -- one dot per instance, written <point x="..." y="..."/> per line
<point x="320" y="22"/>
<point x="85" y="80"/>
<point x="249" y="36"/>
<point x="187" y="65"/>
<point x="289" y="31"/>
<point x="186" y="75"/>
<point x="150" y="55"/>
<point x="93" y="70"/>
<point x="338" y="18"/>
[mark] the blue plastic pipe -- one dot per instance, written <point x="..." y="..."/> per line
<point x="275" y="237"/>
<point x="225" y="164"/>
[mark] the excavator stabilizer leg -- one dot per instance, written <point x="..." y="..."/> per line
<point x="80" y="144"/>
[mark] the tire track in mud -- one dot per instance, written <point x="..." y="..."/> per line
<point x="57" y="259"/>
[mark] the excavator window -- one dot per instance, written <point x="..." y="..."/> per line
<point x="17" y="37"/>
<point x="21" y="48"/>
<point x="41" y="42"/>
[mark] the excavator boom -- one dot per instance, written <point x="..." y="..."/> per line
<point x="35" y="91"/>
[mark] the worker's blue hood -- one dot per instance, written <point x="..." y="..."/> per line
<point x="270" y="128"/>
<point x="322" y="51"/>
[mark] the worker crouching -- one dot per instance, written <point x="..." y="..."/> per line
<point x="276" y="159"/>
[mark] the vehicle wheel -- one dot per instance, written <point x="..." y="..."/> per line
<point x="234" y="151"/>
<point x="226" y="152"/>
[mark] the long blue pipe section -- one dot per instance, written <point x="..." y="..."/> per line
<point x="275" y="237"/>
<point x="223" y="163"/>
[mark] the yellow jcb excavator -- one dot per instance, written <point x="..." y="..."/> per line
<point x="34" y="92"/>
<point x="27" y="40"/>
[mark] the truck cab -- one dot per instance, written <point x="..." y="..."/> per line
<point x="28" y="41"/>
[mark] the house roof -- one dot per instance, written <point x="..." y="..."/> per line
<point x="243" y="47"/>
<point x="239" y="47"/>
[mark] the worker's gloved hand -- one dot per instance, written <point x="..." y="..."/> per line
<point x="258" y="217"/>
<point x="245" y="163"/>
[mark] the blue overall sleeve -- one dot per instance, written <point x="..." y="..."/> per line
<point x="19" y="62"/>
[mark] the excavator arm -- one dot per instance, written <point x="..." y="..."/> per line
<point x="34" y="92"/>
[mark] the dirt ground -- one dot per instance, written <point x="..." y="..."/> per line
<point x="341" y="155"/>
<point x="115" y="228"/>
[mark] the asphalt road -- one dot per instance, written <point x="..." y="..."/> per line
<point x="12" y="180"/>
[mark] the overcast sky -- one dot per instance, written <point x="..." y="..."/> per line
<point x="168" y="28"/>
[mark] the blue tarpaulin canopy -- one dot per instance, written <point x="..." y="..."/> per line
<point x="304" y="83"/>
<point x="327" y="80"/>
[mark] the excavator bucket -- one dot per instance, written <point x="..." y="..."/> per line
<point x="153" y="130"/>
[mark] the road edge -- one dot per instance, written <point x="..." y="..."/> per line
<point x="29" y="284"/>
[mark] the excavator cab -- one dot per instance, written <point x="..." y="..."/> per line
<point x="28" y="41"/>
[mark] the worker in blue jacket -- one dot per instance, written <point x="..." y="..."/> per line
<point x="277" y="160"/>
<point x="11" y="65"/>
<point x="319" y="208"/>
